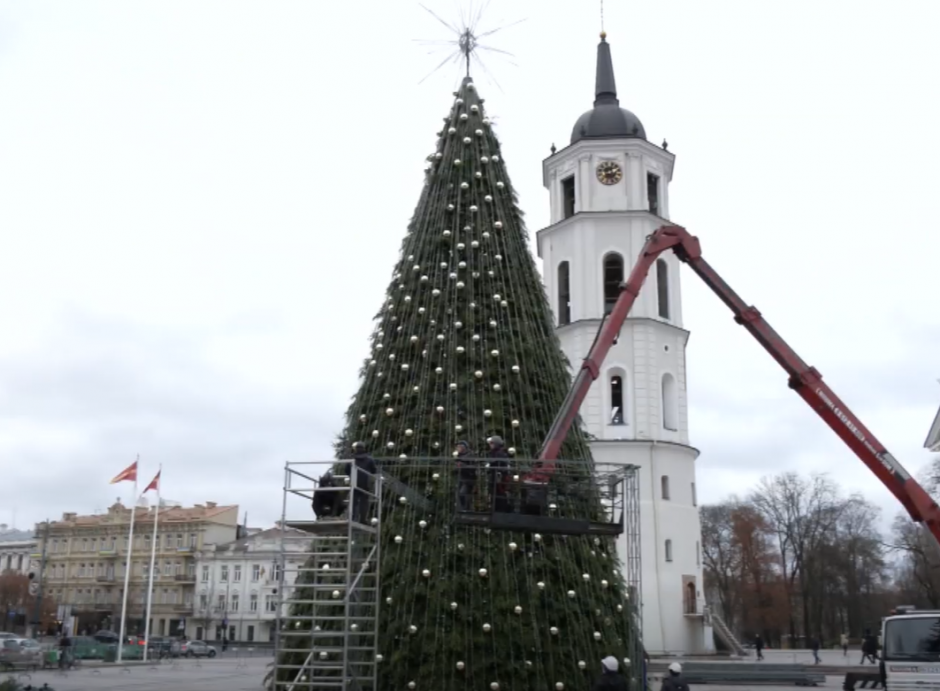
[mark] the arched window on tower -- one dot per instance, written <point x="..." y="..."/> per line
<point x="564" y="294"/>
<point x="664" y="482"/>
<point x="662" y="287"/>
<point x="668" y="550"/>
<point x="617" y="397"/>
<point x="670" y="403"/>
<point x="613" y="277"/>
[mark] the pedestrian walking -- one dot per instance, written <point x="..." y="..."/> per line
<point x="844" y="642"/>
<point x="814" y="646"/>
<point x="759" y="646"/>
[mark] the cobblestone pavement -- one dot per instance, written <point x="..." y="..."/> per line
<point x="187" y="675"/>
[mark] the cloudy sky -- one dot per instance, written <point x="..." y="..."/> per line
<point x="201" y="202"/>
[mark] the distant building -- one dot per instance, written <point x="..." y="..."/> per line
<point x="933" y="437"/>
<point x="86" y="557"/>
<point x="236" y="592"/>
<point x="16" y="546"/>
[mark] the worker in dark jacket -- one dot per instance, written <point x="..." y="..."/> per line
<point x="326" y="502"/>
<point x="466" y="476"/>
<point x="674" y="682"/>
<point x="610" y="678"/>
<point x="869" y="648"/>
<point x="364" y="462"/>
<point x="499" y="474"/>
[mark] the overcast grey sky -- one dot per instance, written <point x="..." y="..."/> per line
<point x="201" y="203"/>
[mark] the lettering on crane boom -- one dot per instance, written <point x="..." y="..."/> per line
<point x="885" y="458"/>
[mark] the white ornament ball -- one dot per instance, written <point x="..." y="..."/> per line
<point x="436" y="292"/>
<point x="498" y="257"/>
<point x="626" y="661"/>
<point x="487" y="413"/>
<point x="540" y="585"/>
<point x="604" y="584"/>
<point x="515" y="423"/>
<point x="496" y="387"/>
<point x="478" y="374"/>
<point x="474" y="209"/>
<point x="619" y="608"/>
<point x="597" y="635"/>
<point x="484" y="159"/>
<point x="498" y="225"/>
<point x="426" y="573"/>
<point x="324" y="655"/>
<point x="453" y="605"/>
<point x="466" y="140"/>
<point x="436" y="476"/>
<point x="389" y="411"/>
<point x="487" y="628"/>
<point x="582" y="664"/>
<point x="461" y="349"/>
<point x="375" y="434"/>
<point x="476" y="338"/>
<point x="457" y="162"/>
<point x="513" y="546"/>
<point x="495" y="159"/>
<point x="374" y="521"/>
<point x="412" y="685"/>
<point x="446" y="233"/>
<point x="464" y="185"/>
<point x="409" y="432"/>
<point x="390" y="445"/>
<point x="516" y="369"/>
<point x="460" y="547"/>
<point x="537" y="537"/>
<point x="494" y="353"/>
<point x="500" y="184"/>
<point x="460" y="285"/>
<point x="453" y="277"/>
<point x="482" y="573"/>
<point x="464" y="116"/>
<point x="414" y="339"/>
<point x="559" y="686"/>
<point x="453" y="386"/>
<point x="553" y="630"/>
<point x="459" y="101"/>
<point x="460" y="665"/>
<point x="494" y="686"/>
<point x="475" y="108"/>
<point x="496" y="297"/>
<point x="571" y="593"/>
<point x="362" y="418"/>
<point x="440" y="409"/>
<point x="404" y="367"/>
<point x="586" y="577"/>
<point x="422" y="524"/>
<point x="475" y="244"/>
<point x="402" y="500"/>
<point x="487" y="198"/>
<point x="336" y="594"/>
<point x="478" y="133"/>
<point x="478" y="175"/>
<point x="413" y="629"/>
<point x="450" y="207"/>
<point x="486" y="235"/>
<point x="378" y="657"/>
<point x="439" y="370"/>
<point x="451" y="130"/>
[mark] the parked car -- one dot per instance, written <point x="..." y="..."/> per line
<point x="160" y="646"/>
<point x="106" y="637"/>
<point x="197" y="649"/>
<point x="87" y="648"/>
<point x="13" y="653"/>
<point x="4" y="634"/>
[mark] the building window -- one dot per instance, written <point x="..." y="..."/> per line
<point x="168" y="568"/>
<point x="205" y="574"/>
<point x="616" y="400"/>
<point x="253" y="602"/>
<point x="270" y="603"/>
<point x="652" y="192"/>
<point x="224" y="577"/>
<point x="670" y="403"/>
<point x="203" y="601"/>
<point x="237" y="575"/>
<point x="220" y="603"/>
<point x="613" y="277"/>
<point x="564" y="294"/>
<point x="255" y="573"/>
<point x="698" y="554"/>
<point x="234" y="603"/>
<point x="668" y="550"/>
<point x="662" y="287"/>
<point x="567" y="197"/>
<point x="694" y="496"/>
<point x="179" y="541"/>
<point x="250" y="636"/>
<point x="85" y="543"/>
<point x="664" y="486"/>
<point x="192" y="540"/>
<point x="277" y="573"/>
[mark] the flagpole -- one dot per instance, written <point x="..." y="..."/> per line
<point x="127" y="568"/>
<point x="153" y="556"/>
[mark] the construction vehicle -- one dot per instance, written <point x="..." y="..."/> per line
<point x="803" y="379"/>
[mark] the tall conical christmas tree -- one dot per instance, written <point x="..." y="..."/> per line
<point x="464" y="350"/>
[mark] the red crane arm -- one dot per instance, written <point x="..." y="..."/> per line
<point x="803" y="379"/>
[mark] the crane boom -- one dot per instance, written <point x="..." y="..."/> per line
<point x="803" y="379"/>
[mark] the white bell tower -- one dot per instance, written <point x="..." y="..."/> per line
<point x="609" y="189"/>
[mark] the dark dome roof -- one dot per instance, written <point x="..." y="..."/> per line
<point x="606" y="120"/>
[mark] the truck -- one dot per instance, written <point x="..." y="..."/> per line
<point x="910" y="655"/>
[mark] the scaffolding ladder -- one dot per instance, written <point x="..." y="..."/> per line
<point x="327" y="629"/>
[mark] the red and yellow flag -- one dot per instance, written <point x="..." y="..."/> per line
<point x="129" y="474"/>
<point x="154" y="484"/>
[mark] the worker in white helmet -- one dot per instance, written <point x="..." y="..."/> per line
<point x="674" y="682"/>
<point x="610" y="679"/>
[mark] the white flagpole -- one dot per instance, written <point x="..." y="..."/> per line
<point x="153" y="556"/>
<point x="127" y="566"/>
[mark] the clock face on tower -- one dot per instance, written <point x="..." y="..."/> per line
<point x="609" y="173"/>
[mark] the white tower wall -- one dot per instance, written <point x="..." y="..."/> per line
<point x="649" y="358"/>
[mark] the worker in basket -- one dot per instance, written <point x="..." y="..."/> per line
<point x="499" y="474"/>
<point x="367" y="467"/>
<point x="466" y="476"/>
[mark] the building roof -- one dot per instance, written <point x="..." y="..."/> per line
<point x="606" y="120"/>
<point x="13" y="535"/>
<point x="120" y="514"/>
<point x="933" y="437"/>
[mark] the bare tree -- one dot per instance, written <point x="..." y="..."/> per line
<point x="721" y="558"/>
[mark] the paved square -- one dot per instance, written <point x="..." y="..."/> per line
<point x="189" y="675"/>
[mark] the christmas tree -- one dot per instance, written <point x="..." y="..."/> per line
<point x="464" y="350"/>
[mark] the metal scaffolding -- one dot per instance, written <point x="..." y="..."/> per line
<point x="328" y="608"/>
